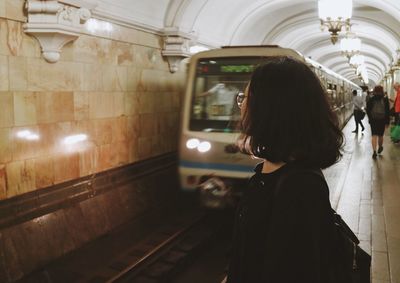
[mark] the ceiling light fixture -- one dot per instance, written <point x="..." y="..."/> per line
<point x="350" y="45"/>
<point x="335" y="15"/>
<point x="356" y="60"/>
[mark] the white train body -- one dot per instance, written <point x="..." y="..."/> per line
<point x="210" y="113"/>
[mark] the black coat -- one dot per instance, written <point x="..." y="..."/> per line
<point x="282" y="237"/>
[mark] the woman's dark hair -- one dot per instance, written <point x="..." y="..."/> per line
<point x="288" y="117"/>
<point x="378" y="90"/>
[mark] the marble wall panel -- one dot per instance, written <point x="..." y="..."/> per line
<point x="2" y="8"/>
<point x="5" y="145"/>
<point x="14" y="9"/>
<point x="7" y="109"/>
<point x="26" y="142"/>
<point x="148" y="125"/>
<point x="152" y="80"/>
<point x="92" y="78"/>
<point x="88" y="160"/>
<point x="131" y="103"/>
<point x="101" y="105"/>
<point x="30" y="47"/>
<point x="63" y="76"/>
<point x="114" y="78"/>
<point x="133" y="150"/>
<point x="54" y="107"/>
<point x="49" y="139"/>
<point x="84" y="49"/>
<point x="20" y="177"/>
<point x="158" y="145"/>
<point x="81" y="105"/>
<point x="133" y="124"/>
<point x="4" y="82"/>
<point x="25" y="108"/>
<point x="44" y="171"/>
<point x="119" y="106"/>
<point x="144" y="147"/>
<point x="176" y="101"/>
<point x="66" y="167"/>
<point x="107" y="157"/>
<point x="164" y="100"/>
<point x="133" y="79"/>
<point x="105" y="52"/>
<point x="14" y="37"/>
<point x="14" y="42"/>
<point x="18" y="78"/>
<point x="116" y="92"/>
<point x="103" y="130"/>
<point x="3" y="187"/>
<point x="122" y="152"/>
<point x="120" y="131"/>
<point x="63" y="131"/>
<point x="147" y="102"/>
<point x="145" y="56"/>
<point x="124" y="53"/>
<point x="3" y="37"/>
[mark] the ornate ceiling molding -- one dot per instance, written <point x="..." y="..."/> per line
<point x="55" y="23"/>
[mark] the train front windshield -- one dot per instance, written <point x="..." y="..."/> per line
<point x="217" y="83"/>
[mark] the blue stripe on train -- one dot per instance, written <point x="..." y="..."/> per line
<point x="218" y="166"/>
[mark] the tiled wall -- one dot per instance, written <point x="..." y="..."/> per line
<point x="109" y="101"/>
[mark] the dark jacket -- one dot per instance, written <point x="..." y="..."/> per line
<point x="371" y="102"/>
<point x="282" y="237"/>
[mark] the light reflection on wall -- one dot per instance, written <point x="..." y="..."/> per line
<point x="74" y="143"/>
<point x="28" y="135"/>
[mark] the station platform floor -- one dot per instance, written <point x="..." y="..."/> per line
<point x="366" y="192"/>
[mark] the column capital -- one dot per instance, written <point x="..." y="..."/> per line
<point x="55" y="23"/>
<point x="176" y="47"/>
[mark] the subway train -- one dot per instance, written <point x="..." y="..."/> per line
<point x="209" y="160"/>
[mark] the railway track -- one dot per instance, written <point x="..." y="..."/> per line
<point x="167" y="251"/>
<point x="164" y="254"/>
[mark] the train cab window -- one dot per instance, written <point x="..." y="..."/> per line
<point x="216" y="85"/>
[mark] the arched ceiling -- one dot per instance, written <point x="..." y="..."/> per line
<point x="288" y="23"/>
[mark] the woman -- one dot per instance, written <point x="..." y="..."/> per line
<point x="379" y="118"/>
<point x="283" y="222"/>
<point x="396" y="104"/>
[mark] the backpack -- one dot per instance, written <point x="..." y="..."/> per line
<point x="378" y="109"/>
<point x="350" y="264"/>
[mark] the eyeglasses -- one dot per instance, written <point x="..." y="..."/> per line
<point x="240" y="98"/>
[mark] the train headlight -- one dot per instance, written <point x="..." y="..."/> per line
<point x="204" y="146"/>
<point x="192" y="143"/>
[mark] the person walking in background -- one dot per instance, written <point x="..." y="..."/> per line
<point x="359" y="105"/>
<point x="396" y="105"/>
<point x="378" y="115"/>
<point x="291" y="128"/>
